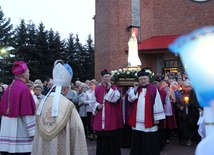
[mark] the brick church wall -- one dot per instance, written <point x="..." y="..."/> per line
<point x="158" y="17"/>
<point x="111" y="37"/>
<point x="167" y="17"/>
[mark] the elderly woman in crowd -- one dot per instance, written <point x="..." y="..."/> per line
<point x="175" y="88"/>
<point x="82" y="105"/>
<point x="38" y="81"/>
<point x="89" y="94"/>
<point x="37" y="93"/>
<point x="72" y="96"/>
<point x="188" y="114"/>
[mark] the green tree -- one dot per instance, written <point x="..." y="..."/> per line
<point x="56" y="46"/>
<point x="77" y="59"/>
<point x="33" y="54"/>
<point x="81" y="58"/>
<point x="39" y="48"/>
<point x="89" y="58"/>
<point x="69" y="50"/>
<point x="20" y="45"/>
<point x="51" y="44"/>
<point x="69" y="53"/>
<point x="6" y="34"/>
<point x="45" y="63"/>
<point x="20" y="42"/>
<point x="6" y="31"/>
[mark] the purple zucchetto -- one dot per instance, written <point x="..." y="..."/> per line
<point x="19" y="67"/>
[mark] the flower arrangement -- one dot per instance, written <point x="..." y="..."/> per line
<point x="129" y="73"/>
<point x="124" y="73"/>
<point x="152" y="77"/>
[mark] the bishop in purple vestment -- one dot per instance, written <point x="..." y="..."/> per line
<point x="18" y="114"/>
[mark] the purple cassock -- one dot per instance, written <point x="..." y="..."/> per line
<point x="17" y="103"/>
<point x="112" y="111"/>
<point x="170" y="115"/>
<point x="163" y="94"/>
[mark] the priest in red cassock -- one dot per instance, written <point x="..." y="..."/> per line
<point x="107" y="116"/>
<point x="147" y="112"/>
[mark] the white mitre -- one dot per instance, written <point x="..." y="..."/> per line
<point x="62" y="75"/>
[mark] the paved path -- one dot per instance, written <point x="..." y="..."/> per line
<point x="174" y="148"/>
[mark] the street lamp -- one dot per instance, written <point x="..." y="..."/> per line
<point x="196" y="51"/>
<point x="3" y="52"/>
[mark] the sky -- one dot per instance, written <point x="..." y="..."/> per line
<point x="64" y="16"/>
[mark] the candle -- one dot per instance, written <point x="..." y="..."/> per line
<point x="187" y="109"/>
<point x="186" y="99"/>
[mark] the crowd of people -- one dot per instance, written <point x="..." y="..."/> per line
<point x="57" y="117"/>
<point x="182" y="121"/>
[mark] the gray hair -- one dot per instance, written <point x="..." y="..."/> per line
<point x="187" y="83"/>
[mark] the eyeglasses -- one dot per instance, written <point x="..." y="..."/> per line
<point x="106" y="76"/>
<point x="143" y="78"/>
<point x="38" y="89"/>
<point x="187" y="86"/>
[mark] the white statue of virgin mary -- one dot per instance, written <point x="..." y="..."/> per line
<point x="133" y="59"/>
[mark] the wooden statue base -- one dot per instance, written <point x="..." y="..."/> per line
<point x="133" y="67"/>
<point x="128" y="82"/>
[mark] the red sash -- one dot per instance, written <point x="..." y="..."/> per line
<point x="148" y="111"/>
